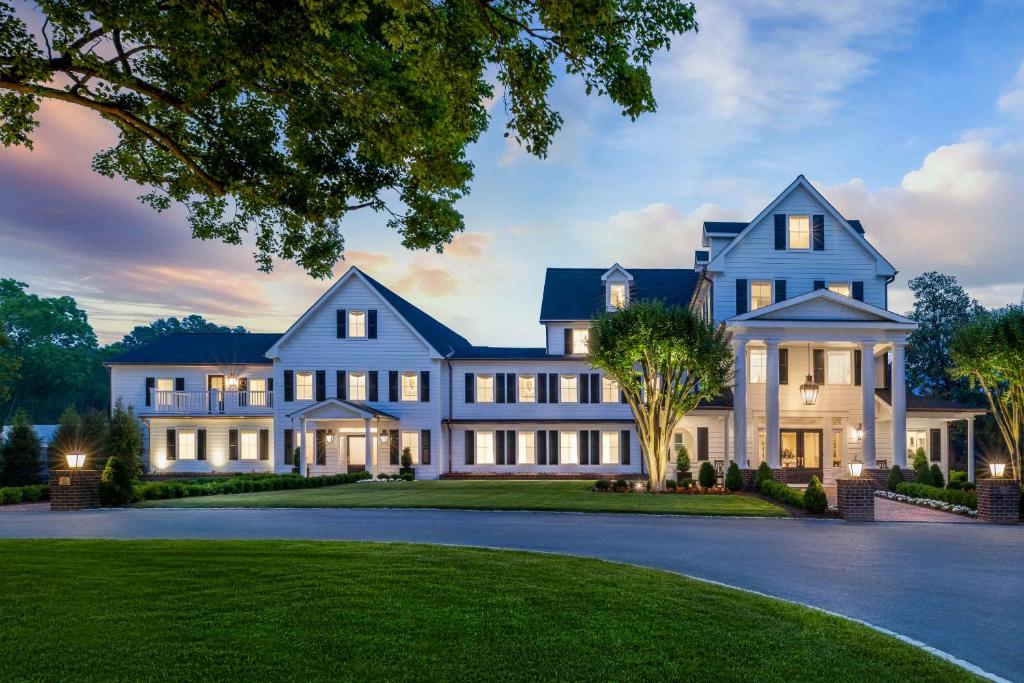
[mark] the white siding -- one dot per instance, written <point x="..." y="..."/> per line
<point x="217" y="431"/>
<point x="556" y="335"/>
<point x="128" y="382"/>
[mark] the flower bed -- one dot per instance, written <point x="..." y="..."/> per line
<point x="952" y="496"/>
<point x="928" y="503"/>
<point x="687" y="487"/>
<point x="9" y="495"/>
<point x="239" y="484"/>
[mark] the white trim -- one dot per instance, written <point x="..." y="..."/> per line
<point x="883" y="315"/>
<point x="616" y="268"/>
<point x="356" y="411"/>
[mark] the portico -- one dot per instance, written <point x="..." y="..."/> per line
<point x="340" y="435"/>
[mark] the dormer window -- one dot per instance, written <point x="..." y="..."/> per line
<point x="799" y="232"/>
<point x="357" y="324"/>
<point x="617" y="295"/>
<point x="841" y="288"/>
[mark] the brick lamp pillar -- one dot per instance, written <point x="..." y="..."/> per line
<point x="856" y="499"/>
<point x="74" y="489"/>
<point x="999" y="500"/>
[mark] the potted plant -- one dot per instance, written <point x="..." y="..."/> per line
<point x="406" y="462"/>
<point x="683" y="463"/>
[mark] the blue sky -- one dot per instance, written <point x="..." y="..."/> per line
<point x="908" y="115"/>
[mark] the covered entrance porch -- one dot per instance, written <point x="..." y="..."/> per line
<point x="341" y="436"/>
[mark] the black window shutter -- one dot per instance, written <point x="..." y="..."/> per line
<point x="393" y="386"/>
<point x="424" y="446"/>
<point x="341" y="322"/>
<point x="595" y="387"/>
<point x="819" y="366"/>
<point x="584" y="447"/>
<point x="552" y="447"/>
<point x="858" y="290"/>
<point x="741" y="296"/>
<point x="270" y="385"/>
<point x="179" y="384"/>
<point x="499" y="387"/>
<point x="780" y="290"/>
<point x="541" y="387"/>
<point x="935" y="445"/>
<point x="470" y="387"/>
<point x="321" y="446"/>
<point x="568" y="341"/>
<point x="371" y="324"/>
<point x="289" y="447"/>
<point x="321" y="385"/>
<point x="818" y="233"/>
<point x="553" y="387"/>
<point x="394" y="443"/>
<point x="624" y="447"/>
<point x="783" y="366"/>
<point x="622" y="396"/>
<point x="584" y="387"/>
<point x="819" y="284"/>
<point x="264" y="444"/>
<point x="425" y="386"/>
<point x="856" y="366"/>
<point x="541" y="446"/>
<point x="510" y="447"/>
<point x="289" y="385"/>
<point x="150" y="385"/>
<point x="232" y="444"/>
<point x="595" y="447"/>
<point x="499" y="447"/>
<point x="172" y="444"/>
<point x="511" y="388"/>
<point x="702" y="443"/>
<point x="371" y="386"/>
<point x="470" y="447"/>
<point x="200" y="444"/>
<point x="780" y="231"/>
<point x="342" y="385"/>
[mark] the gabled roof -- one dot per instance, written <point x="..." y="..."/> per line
<point x="616" y="268"/>
<point x="579" y="294"/>
<point x="184" y="348"/>
<point x="800" y="308"/>
<point x="343" y="410"/>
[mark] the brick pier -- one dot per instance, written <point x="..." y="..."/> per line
<point x="856" y="499"/>
<point x="74" y="489"/>
<point x="999" y="501"/>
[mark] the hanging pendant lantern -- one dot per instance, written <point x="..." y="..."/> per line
<point x="809" y="390"/>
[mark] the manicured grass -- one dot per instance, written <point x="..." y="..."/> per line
<point x="574" y="496"/>
<point x="265" y="610"/>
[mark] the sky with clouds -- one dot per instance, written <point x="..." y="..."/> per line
<point x="906" y="114"/>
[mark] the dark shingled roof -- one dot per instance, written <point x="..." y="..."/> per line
<point x="502" y="353"/>
<point x="700" y="256"/>
<point x="578" y="293"/>
<point x="925" y="403"/>
<point x="731" y="227"/>
<point x="855" y="224"/>
<point x="201" y="349"/>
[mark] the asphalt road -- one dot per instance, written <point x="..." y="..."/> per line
<point x="955" y="587"/>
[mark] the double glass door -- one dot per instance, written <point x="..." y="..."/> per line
<point x="801" y="449"/>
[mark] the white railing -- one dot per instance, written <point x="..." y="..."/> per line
<point x="213" y="402"/>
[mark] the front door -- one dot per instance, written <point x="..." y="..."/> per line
<point x="802" y="452"/>
<point x="356" y="453"/>
<point x="215" y="393"/>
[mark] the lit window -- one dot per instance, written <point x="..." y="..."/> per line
<point x="303" y="386"/>
<point x="410" y="386"/>
<point x="839" y="367"/>
<point x="579" y="341"/>
<point x="527" y="388"/>
<point x="164" y="387"/>
<point x="609" y="448"/>
<point x="916" y="438"/>
<point x="525" y="447"/>
<point x="411" y="440"/>
<point x="567" y="389"/>
<point x="799" y="232"/>
<point x="186" y="446"/>
<point x="758" y="366"/>
<point x="617" y="295"/>
<point x="609" y="390"/>
<point x="357" y="323"/>
<point x="842" y="288"/>
<point x="760" y="294"/>
<point x="248" y="445"/>
<point x="257" y="392"/>
<point x="485" y="388"/>
<point x="567" y="448"/>
<point x="485" y="448"/>
<point x="357" y="386"/>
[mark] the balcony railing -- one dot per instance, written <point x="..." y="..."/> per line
<point x="213" y="402"/>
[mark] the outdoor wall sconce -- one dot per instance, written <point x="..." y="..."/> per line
<point x="858" y="433"/>
<point x="384" y="438"/>
<point x="330" y="437"/>
<point x="75" y="460"/>
<point x="232" y="382"/>
<point x="998" y="469"/>
<point x="856" y="468"/>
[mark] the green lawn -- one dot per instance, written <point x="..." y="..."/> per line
<point x="271" y="610"/>
<point x="574" y="496"/>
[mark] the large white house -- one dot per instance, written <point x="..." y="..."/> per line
<point x="363" y="374"/>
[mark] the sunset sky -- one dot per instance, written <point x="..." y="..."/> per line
<point x="908" y="115"/>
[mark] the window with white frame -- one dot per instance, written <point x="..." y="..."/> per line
<point x="579" y="339"/>
<point x="842" y="288"/>
<point x="609" y="448"/>
<point x="357" y="386"/>
<point x="526" y="448"/>
<point x="609" y="390"/>
<point x="303" y="386"/>
<point x="257" y="388"/>
<point x="357" y="324"/>
<point x="760" y="294"/>
<point x="567" y="391"/>
<point x="485" y="388"/>
<point x="410" y="386"/>
<point x="485" y="448"/>
<point x="758" y="366"/>
<point x="411" y="440"/>
<point x="617" y="295"/>
<point x="527" y="388"/>
<point x="838" y="367"/>
<point x="799" y="232"/>
<point x="568" y="448"/>
<point x="186" y="449"/>
<point x="248" y="444"/>
<point x="917" y="438"/>
<point x="164" y="387"/>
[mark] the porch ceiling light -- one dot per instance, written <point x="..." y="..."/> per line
<point x="856" y="468"/>
<point x="75" y="460"/>
<point x="232" y="382"/>
<point x="809" y="391"/>
<point x="998" y="469"/>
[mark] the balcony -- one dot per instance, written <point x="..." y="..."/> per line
<point x="213" y="402"/>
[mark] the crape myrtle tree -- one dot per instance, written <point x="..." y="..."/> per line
<point x="282" y="118"/>
<point x="666" y="360"/>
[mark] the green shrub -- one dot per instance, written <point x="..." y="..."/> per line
<point x="764" y="473"/>
<point x="923" y="475"/>
<point x="408" y="476"/>
<point x="602" y="485"/>
<point x="707" y="476"/>
<point x="686" y="483"/>
<point x="920" y="458"/>
<point x="406" y="457"/>
<point x="814" y="497"/>
<point x="20" y="453"/>
<point x="782" y="493"/>
<point x="682" y="459"/>
<point x="621" y="484"/>
<point x="10" y="495"/>
<point x="936" y="476"/>
<point x="954" y="496"/>
<point x="957" y="477"/>
<point x="733" y="478"/>
<point x="212" y="486"/>
<point x="894" y="478"/>
<point x="671" y="484"/>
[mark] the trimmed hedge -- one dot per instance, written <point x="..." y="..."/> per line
<point x="733" y="478"/>
<point x="954" y="496"/>
<point x="706" y="475"/>
<point x="894" y="478"/>
<point x="814" y="497"/>
<point x="32" y="493"/>
<point x="782" y="493"/>
<point x="215" y="486"/>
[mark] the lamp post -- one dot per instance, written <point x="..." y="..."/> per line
<point x="75" y="460"/>
<point x="997" y="469"/>
<point x="856" y="467"/>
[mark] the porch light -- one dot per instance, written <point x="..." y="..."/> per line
<point x="75" y="460"/>
<point x="384" y="438"/>
<point x="330" y="437"/>
<point x="856" y="467"/>
<point x="998" y="469"/>
<point x="858" y="432"/>
<point x="232" y="382"/>
<point x="809" y="390"/>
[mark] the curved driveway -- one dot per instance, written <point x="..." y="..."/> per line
<point x="956" y="587"/>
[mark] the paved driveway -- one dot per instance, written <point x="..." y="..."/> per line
<point x="956" y="587"/>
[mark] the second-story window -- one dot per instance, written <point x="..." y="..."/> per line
<point x="357" y="324"/>
<point x="609" y="390"/>
<point x="410" y="386"/>
<point x="617" y="295"/>
<point x="357" y="386"/>
<point x="838" y="367"/>
<point x="527" y="388"/>
<point x="164" y="387"/>
<point x="799" y="232"/>
<point x="257" y="391"/>
<point x="303" y="386"/>
<point x="567" y="389"/>
<point x="758" y="366"/>
<point x="485" y="388"/>
<point x="580" y="341"/>
<point x="842" y="288"/>
<point x="760" y="294"/>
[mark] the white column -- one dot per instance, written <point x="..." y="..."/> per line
<point x="303" y="469"/>
<point x="771" y="405"/>
<point x="368" y="458"/>
<point x="898" y="393"/>
<point x="867" y="402"/>
<point x="970" y="449"/>
<point x="739" y="402"/>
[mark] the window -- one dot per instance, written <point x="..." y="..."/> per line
<point x="410" y="386"/>
<point x="164" y="387"/>
<point x="842" y="288"/>
<point x="303" y="386"/>
<point x="760" y="294"/>
<point x="837" y="447"/>
<point x="485" y="388"/>
<point x="758" y="366"/>
<point x="257" y="392"/>
<point x="567" y="448"/>
<point x="186" y="445"/>
<point x="838" y="367"/>
<point x="485" y="448"/>
<point x="609" y="448"/>
<point x="526" y="448"/>
<point x="617" y="295"/>
<point x="411" y="440"/>
<point x="580" y="340"/>
<point x="917" y="438"/>
<point x="357" y="386"/>
<point x="567" y="389"/>
<point x="799" y="232"/>
<point x="527" y="388"/>
<point x="248" y="445"/>
<point x="357" y="324"/>
<point x="609" y="390"/>
<point x="762" y="449"/>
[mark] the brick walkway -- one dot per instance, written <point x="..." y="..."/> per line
<point x="893" y="511"/>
